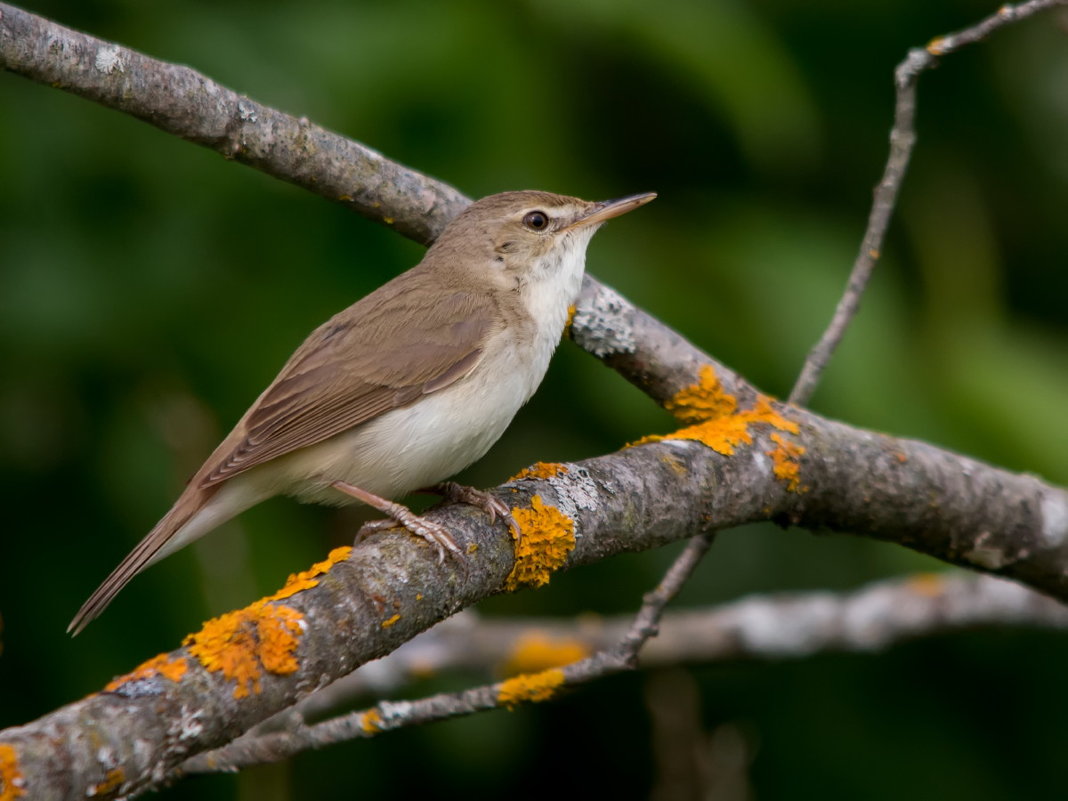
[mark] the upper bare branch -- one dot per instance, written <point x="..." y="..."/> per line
<point x="902" y="140"/>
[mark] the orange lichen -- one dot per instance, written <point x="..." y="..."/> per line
<point x="936" y="46"/>
<point x="705" y="400"/>
<point x="306" y="579"/>
<point x="390" y="621"/>
<point x="536" y="651"/>
<point x="261" y="637"/>
<point x="530" y="687"/>
<point x="929" y="585"/>
<point x="114" y="779"/>
<point x="716" y="419"/>
<point x="786" y="461"/>
<point x="371" y="721"/>
<point x="12" y="783"/>
<point x="540" y="470"/>
<point x="546" y="538"/>
<point x="244" y="643"/>
<point x="166" y="665"/>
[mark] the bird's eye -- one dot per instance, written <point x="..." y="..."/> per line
<point x="536" y="220"/>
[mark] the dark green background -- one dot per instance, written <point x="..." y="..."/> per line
<point x="149" y="289"/>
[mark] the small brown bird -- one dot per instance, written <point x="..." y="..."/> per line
<point x="405" y="387"/>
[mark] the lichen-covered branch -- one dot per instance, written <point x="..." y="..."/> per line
<point x="733" y="462"/>
<point x="762" y="627"/>
<point x="781" y="626"/>
<point x="535" y="682"/>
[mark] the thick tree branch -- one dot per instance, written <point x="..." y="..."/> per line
<point x="611" y="657"/>
<point x="393" y="587"/>
<point x="781" y="626"/>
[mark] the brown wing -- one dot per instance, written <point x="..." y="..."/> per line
<point x="358" y="365"/>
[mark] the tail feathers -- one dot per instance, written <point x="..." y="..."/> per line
<point x="164" y="539"/>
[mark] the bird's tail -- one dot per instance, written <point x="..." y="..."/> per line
<point x="181" y="525"/>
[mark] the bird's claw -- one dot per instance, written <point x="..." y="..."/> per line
<point x="493" y="506"/>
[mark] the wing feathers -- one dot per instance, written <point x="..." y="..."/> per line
<point x="355" y="368"/>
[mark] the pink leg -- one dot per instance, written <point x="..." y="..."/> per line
<point x="494" y="507"/>
<point x="433" y="533"/>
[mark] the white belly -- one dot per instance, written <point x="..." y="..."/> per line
<point x="432" y="439"/>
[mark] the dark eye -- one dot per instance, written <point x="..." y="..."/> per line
<point x="536" y="220"/>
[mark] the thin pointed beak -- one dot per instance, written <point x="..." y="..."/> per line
<point x="607" y="209"/>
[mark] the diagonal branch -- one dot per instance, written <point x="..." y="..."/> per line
<point x="183" y="102"/>
<point x="902" y="140"/>
<point x="386" y="716"/>
<point x="773" y="627"/>
<point x="253" y="663"/>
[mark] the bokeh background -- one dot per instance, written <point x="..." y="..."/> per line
<point x="149" y="289"/>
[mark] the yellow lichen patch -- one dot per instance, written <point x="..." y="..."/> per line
<point x="170" y="667"/>
<point x="540" y="470"/>
<point x="243" y="644"/>
<point x="705" y="400"/>
<point x="371" y="721"/>
<point x="929" y="585"/>
<point x="12" y="784"/>
<point x="547" y="536"/>
<point x="535" y="651"/>
<point x="936" y="46"/>
<point x="390" y="621"/>
<point x="786" y="461"/>
<point x="306" y="579"/>
<point x="717" y="420"/>
<point x="261" y="637"/>
<point x="112" y="781"/>
<point x="530" y="687"/>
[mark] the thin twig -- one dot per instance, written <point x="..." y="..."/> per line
<point x="902" y="140"/>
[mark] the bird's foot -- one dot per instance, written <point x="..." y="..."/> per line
<point x="434" y="533"/>
<point x="493" y="506"/>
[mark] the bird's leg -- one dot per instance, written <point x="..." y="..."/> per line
<point x="493" y="506"/>
<point x="433" y="533"/>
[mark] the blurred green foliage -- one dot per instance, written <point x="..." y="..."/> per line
<point x="150" y="289"/>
